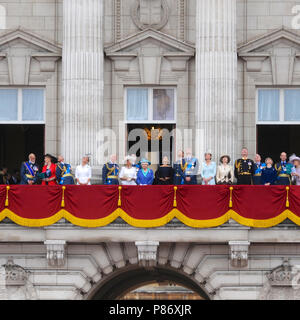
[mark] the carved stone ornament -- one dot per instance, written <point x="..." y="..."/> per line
<point x="14" y="275"/>
<point x="150" y="14"/>
<point x="55" y="252"/>
<point x="283" y="283"/>
<point x="284" y="275"/>
<point x="147" y="252"/>
<point x="239" y="253"/>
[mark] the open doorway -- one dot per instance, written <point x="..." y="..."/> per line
<point x="18" y="141"/>
<point x="159" y="141"/>
<point x="274" y="139"/>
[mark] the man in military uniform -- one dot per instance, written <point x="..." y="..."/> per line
<point x="110" y="171"/>
<point x="284" y="170"/>
<point x="63" y="172"/>
<point x="258" y="167"/>
<point x="29" y="171"/>
<point x="244" y="169"/>
<point x="179" y="169"/>
<point x="191" y="171"/>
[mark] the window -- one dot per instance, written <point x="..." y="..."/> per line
<point x="22" y="105"/>
<point x="276" y="106"/>
<point x="292" y="105"/>
<point x="150" y="105"/>
<point x="2" y="17"/>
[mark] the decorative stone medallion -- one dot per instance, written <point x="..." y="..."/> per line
<point x="152" y="14"/>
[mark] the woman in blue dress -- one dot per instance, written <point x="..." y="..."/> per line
<point x="209" y="170"/>
<point x="145" y="175"/>
<point x="268" y="173"/>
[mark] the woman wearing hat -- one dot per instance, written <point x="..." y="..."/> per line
<point x="49" y="170"/>
<point x="296" y="169"/>
<point x="128" y="173"/>
<point x="225" y="173"/>
<point x="145" y="175"/>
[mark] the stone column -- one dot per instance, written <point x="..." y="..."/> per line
<point x="216" y="77"/>
<point x="83" y="68"/>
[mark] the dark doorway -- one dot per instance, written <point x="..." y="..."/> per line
<point x="18" y="141"/>
<point x="157" y="132"/>
<point x="274" y="139"/>
<point x="120" y="283"/>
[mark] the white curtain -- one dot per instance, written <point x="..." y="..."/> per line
<point x="33" y="105"/>
<point x="8" y="104"/>
<point x="163" y="104"/>
<point x="137" y="104"/>
<point x="268" y="105"/>
<point x="292" y="105"/>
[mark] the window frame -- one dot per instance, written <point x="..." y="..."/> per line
<point x="150" y="106"/>
<point x="20" y="106"/>
<point x="281" y="120"/>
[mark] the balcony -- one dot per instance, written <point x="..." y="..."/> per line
<point x="194" y="207"/>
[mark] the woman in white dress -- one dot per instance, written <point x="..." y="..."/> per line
<point x="83" y="172"/>
<point x="225" y="173"/>
<point x="128" y="173"/>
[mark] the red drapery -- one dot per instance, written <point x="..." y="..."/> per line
<point x="150" y="206"/>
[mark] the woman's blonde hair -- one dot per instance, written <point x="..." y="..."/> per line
<point x="268" y="159"/>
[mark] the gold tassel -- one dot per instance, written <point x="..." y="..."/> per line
<point x="287" y="197"/>
<point x="175" y="200"/>
<point x="6" y="200"/>
<point x="119" y="201"/>
<point x="63" y="197"/>
<point x="230" y="200"/>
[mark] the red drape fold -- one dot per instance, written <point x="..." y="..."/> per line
<point x="294" y="200"/>
<point x="147" y="202"/>
<point x="259" y="202"/>
<point x="91" y="202"/>
<point x="34" y="202"/>
<point x="207" y="202"/>
<point x="2" y="197"/>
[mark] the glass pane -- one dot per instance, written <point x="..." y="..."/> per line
<point x="33" y="105"/>
<point x="163" y="104"/>
<point x="292" y="105"/>
<point x="8" y="104"/>
<point x="137" y="104"/>
<point x="268" y="105"/>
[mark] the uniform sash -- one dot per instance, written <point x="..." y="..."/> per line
<point x="30" y="170"/>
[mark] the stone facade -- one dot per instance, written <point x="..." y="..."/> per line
<point x="89" y="50"/>
<point x="137" y="33"/>
<point x="164" y="34"/>
<point x="96" y="260"/>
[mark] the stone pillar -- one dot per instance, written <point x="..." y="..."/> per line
<point x="216" y="77"/>
<point x="83" y="68"/>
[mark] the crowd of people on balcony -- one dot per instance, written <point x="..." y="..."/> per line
<point x="185" y="171"/>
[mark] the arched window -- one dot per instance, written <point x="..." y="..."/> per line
<point x="2" y="17"/>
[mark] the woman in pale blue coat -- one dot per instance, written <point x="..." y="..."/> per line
<point x="209" y="170"/>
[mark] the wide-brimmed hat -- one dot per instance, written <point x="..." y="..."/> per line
<point x="293" y="157"/>
<point x="143" y="160"/>
<point x="128" y="158"/>
<point x="53" y="159"/>
<point x="225" y="156"/>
